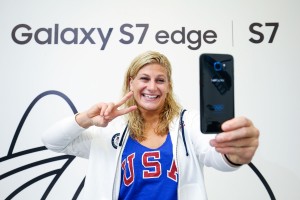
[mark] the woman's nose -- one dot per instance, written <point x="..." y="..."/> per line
<point x="151" y="85"/>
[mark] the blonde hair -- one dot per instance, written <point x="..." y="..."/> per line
<point x="171" y="108"/>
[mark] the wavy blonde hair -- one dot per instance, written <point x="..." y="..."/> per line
<point x="171" y="108"/>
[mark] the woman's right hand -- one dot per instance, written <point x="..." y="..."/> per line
<point x="102" y="113"/>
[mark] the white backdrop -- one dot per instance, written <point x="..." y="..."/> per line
<point x="266" y="81"/>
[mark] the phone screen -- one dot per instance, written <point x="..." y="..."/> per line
<point x="216" y="91"/>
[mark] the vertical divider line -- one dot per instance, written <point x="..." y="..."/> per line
<point x="232" y="38"/>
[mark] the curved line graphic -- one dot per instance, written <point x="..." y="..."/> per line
<point x="34" y="164"/>
<point x="22" y="153"/>
<point x="51" y="185"/>
<point x="57" y="172"/>
<point x="78" y="190"/>
<point x="54" y="92"/>
<point x="30" y="182"/>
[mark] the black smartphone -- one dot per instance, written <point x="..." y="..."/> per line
<point x="216" y="91"/>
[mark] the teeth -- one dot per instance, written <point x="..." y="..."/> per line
<point x="150" y="96"/>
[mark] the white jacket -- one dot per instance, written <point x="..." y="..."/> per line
<point x="104" y="170"/>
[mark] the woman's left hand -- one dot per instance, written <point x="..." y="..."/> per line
<point x="239" y="140"/>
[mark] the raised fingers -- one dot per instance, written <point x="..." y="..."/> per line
<point x="112" y="111"/>
<point x="126" y="110"/>
<point x="109" y="108"/>
<point x="121" y="102"/>
<point x="124" y="99"/>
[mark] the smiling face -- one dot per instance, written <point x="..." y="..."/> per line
<point x="150" y="87"/>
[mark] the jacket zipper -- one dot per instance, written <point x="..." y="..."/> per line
<point x="178" y="186"/>
<point x="179" y="179"/>
<point x="117" y="166"/>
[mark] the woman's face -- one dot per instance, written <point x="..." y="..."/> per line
<point x="150" y="87"/>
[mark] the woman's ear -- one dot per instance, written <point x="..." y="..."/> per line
<point x="130" y="83"/>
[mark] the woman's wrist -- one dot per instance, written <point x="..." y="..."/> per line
<point x="230" y="162"/>
<point x="83" y="120"/>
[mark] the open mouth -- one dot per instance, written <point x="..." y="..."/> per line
<point x="150" y="96"/>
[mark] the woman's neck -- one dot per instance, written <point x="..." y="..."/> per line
<point x="151" y="120"/>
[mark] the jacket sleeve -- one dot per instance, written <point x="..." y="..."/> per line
<point x="206" y="154"/>
<point x="66" y="136"/>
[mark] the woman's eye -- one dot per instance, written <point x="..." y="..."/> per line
<point x="144" y="78"/>
<point x="161" y="80"/>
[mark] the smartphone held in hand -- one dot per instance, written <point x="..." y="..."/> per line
<point x="216" y="91"/>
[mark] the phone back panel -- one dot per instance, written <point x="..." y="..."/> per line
<point x="216" y="91"/>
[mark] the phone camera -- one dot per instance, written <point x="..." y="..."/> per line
<point x="218" y="66"/>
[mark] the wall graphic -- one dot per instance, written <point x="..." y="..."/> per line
<point x="56" y="173"/>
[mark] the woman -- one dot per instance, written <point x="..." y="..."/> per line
<point x="149" y="155"/>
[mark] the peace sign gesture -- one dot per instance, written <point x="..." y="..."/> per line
<point x="101" y="113"/>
